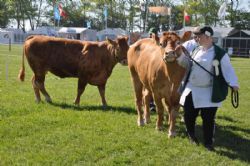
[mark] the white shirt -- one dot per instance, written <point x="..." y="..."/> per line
<point x="190" y="45"/>
<point x="200" y="82"/>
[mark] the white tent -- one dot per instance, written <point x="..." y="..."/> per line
<point x="18" y="35"/>
<point x="77" y="33"/>
<point x="6" y="36"/>
<point x="48" y="31"/>
<point x="111" y="33"/>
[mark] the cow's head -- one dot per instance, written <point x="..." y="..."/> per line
<point x="170" y="44"/>
<point x="120" y="49"/>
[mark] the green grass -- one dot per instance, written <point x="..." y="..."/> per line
<point x="63" y="134"/>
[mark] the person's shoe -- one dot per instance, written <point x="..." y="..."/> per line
<point x="210" y="148"/>
<point x="193" y="140"/>
<point x="152" y="108"/>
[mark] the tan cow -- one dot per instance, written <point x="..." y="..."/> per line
<point x="90" y="62"/>
<point x="155" y="72"/>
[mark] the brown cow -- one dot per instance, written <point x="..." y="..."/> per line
<point x="155" y="72"/>
<point x="90" y="62"/>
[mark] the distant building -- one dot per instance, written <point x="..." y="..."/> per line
<point x="77" y="33"/>
<point x="45" y="30"/>
<point x="111" y="33"/>
<point x="12" y="35"/>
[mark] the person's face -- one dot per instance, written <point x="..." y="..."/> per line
<point x="202" y="39"/>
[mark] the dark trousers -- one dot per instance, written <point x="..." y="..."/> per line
<point x="208" y="120"/>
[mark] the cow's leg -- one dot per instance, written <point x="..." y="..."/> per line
<point x="146" y="96"/>
<point x="173" y="113"/>
<point x="138" y="95"/>
<point x="160" y="113"/>
<point x="81" y="87"/>
<point x="36" y="90"/>
<point x="39" y="83"/>
<point x="101" y="89"/>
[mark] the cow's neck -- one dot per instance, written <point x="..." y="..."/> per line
<point x="112" y="59"/>
<point x="175" y="70"/>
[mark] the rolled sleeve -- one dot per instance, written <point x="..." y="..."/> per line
<point x="228" y="71"/>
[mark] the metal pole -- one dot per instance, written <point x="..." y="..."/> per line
<point x="170" y="23"/>
<point x="7" y="60"/>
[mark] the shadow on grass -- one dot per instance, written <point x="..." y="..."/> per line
<point x="128" y="110"/>
<point x="226" y="118"/>
<point x="230" y="141"/>
<point x="231" y="138"/>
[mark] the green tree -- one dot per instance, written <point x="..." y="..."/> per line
<point x="4" y="14"/>
<point x="242" y="20"/>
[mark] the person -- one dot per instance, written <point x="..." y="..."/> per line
<point x="152" y="31"/>
<point x="152" y="104"/>
<point x="205" y="85"/>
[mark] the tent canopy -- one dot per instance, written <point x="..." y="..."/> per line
<point x="111" y="33"/>
<point x="48" y="31"/>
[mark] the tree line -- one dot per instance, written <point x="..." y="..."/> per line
<point x="132" y="15"/>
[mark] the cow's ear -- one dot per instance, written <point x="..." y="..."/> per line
<point x="186" y="36"/>
<point x="156" y="38"/>
<point x="126" y="38"/>
<point x="109" y="40"/>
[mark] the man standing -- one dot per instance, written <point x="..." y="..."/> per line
<point x="206" y="85"/>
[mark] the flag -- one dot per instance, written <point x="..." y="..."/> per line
<point x="62" y="12"/>
<point x="222" y="10"/>
<point x="186" y="17"/>
<point x="56" y="13"/>
<point x="105" y="12"/>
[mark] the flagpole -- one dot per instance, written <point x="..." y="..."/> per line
<point x="105" y="13"/>
<point x="54" y="3"/>
<point x="170" y="23"/>
<point x="184" y="24"/>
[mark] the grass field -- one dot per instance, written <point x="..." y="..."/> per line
<point x="63" y="134"/>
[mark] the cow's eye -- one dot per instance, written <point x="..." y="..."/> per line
<point x="178" y="42"/>
<point x="164" y="44"/>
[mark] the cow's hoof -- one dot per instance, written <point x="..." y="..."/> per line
<point x="48" y="100"/>
<point x="76" y="103"/>
<point x="147" y="120"/>
<point x="171" y="134"/>
<point x="140" y="122"/>
<point x="159" y="128"/>
<point x="104" y="107"/>
<point x="37" y="101"/>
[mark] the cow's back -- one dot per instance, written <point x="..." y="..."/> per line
<point x="59" y="56"/>
<point x="145" y="59"/>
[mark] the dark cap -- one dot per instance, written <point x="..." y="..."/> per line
<point x="152" y="30"/>
<point x="207" y="30"/>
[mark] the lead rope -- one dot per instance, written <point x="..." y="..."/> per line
<point x="234" y="94"/>
<point x="234" y="98"/>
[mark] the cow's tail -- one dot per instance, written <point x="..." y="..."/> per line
<point x="21" y="74"/>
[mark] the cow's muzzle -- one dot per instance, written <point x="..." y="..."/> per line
<point x="169" y="56"/>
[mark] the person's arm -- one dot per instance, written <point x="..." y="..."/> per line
<point x="184" y="61"/>
<point x="229" y="73"/>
